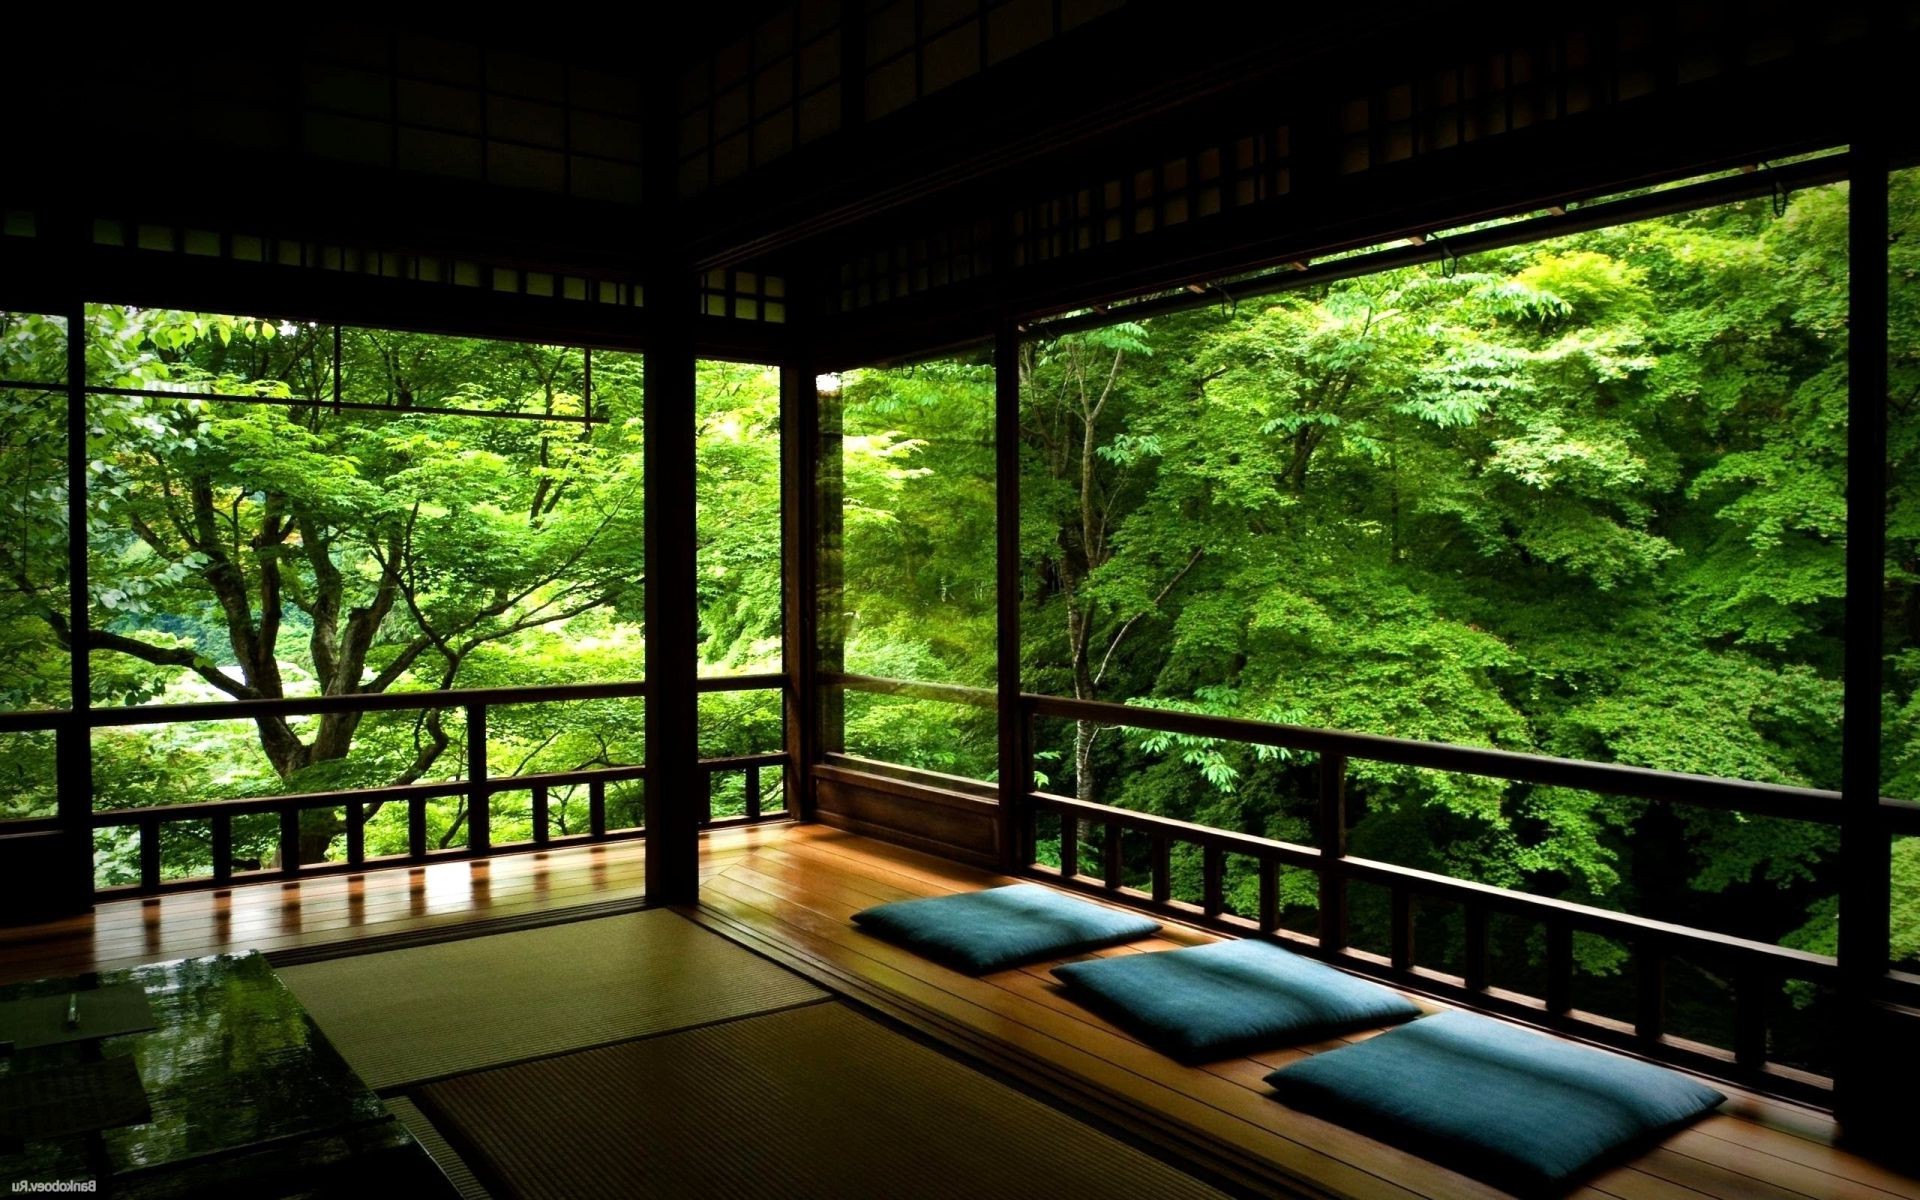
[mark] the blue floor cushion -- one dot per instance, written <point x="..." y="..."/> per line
<point x="1213" y="1001"/>
<point x="1521" y="1110"/>
<point x="1002" y="927"/>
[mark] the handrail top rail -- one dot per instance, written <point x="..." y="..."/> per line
<point x="1648" y="783"/>
<point x="239" y="710"/>
<point x="401" y="793"/>
<point x="1365" y="870"/>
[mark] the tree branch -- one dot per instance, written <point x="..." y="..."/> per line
<point x="172" y="656"/>
<point x="1121" y="635"/>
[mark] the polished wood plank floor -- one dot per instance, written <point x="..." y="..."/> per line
<point x="793" y="897"/>
<point x="788" y="890"/>
<point x="284" y="915"/>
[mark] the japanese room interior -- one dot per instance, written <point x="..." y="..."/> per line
<point x="962" y="598"/>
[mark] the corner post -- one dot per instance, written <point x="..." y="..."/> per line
<point x="800" y="575"/>
<point x="1865" y="847"/>
<point x="672" y="624"/>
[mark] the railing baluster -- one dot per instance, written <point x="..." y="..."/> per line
<point x="542" y="823"/>
<point x="1113" y="868"/>
<point x="1162" y="868"/>
<point x="1559" y="996"/>
<point x="1069" y="846"/>
<point x="706" y="794"/>
<point x="1478" y="977"/>
<point x="356" y="832"/>
<point x="1752" y="992"/>
<point x="1649" y="990"/>
<point x="290" y="840"/>
<point x="1333" y="845"/>
<point x="596" y="808"/>
<point x="1269" y="895"/>
<point x="223" y="847"/>
<point x="1213" y="880"/>
<point x="753" y="791"/>
<point x="149" y="855"/>
<point x="479" y="796"/>
<point x="1401" y="950"/>
<point x="416" y="826"/>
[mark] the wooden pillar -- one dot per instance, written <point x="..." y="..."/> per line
<point x="1860" y="1091"/>
<point x="1333" y="845"/>
<point x="673" y="801"/>
<point x="829" y="606"/>
<point x="73" y="741"/>
<point x="799" y="576"/>
<point x="1016" y="758"/>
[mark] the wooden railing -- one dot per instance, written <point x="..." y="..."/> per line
<point x="1757" y="971"/>
<point x="358" y="806"/>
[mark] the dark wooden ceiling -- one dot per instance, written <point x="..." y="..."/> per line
<point x="907" y="171"/>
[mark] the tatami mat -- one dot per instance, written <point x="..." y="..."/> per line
<point x="811" y="1102"/>
<point x="410" y="1015"/>
<point x="451" y="1164"/>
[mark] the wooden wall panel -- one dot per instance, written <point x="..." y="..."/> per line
<point x="936" y="820"/>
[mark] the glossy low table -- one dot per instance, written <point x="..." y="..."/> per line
<point x="245" y="1096"/>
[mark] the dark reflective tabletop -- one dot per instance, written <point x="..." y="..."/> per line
<point x="233" y="1065"/>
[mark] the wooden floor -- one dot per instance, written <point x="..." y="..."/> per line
<point x="793" y="897"/>
<point x="280" y="916"/>
<point x="788" y="892"/>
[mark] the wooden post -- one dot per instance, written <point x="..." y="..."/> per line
<point x="1477" y="967"/>
<point x="289" y="841"/>
<point x="828" y="608"/>
<point x="416" y="826"/>
<point x="672" y="624"/>
<point x="1650" y="990"/>
<point x="1400" y="935"/>
<point x="73" y="740"/>
<point x="1333" y="844"/>
<point x="223" y="847"/>
<point x="1213" y="879"/>
<point x="799" y="584"/>
<point x="1016" y="730"/>
<point x="479" y="800"/>
<point x="149" y="855"/>
<point x="1269" y="895"/>
<point x="1865" y="848"/>
<point x="1752" y="992"/>
<point x="1559" y="969"/>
